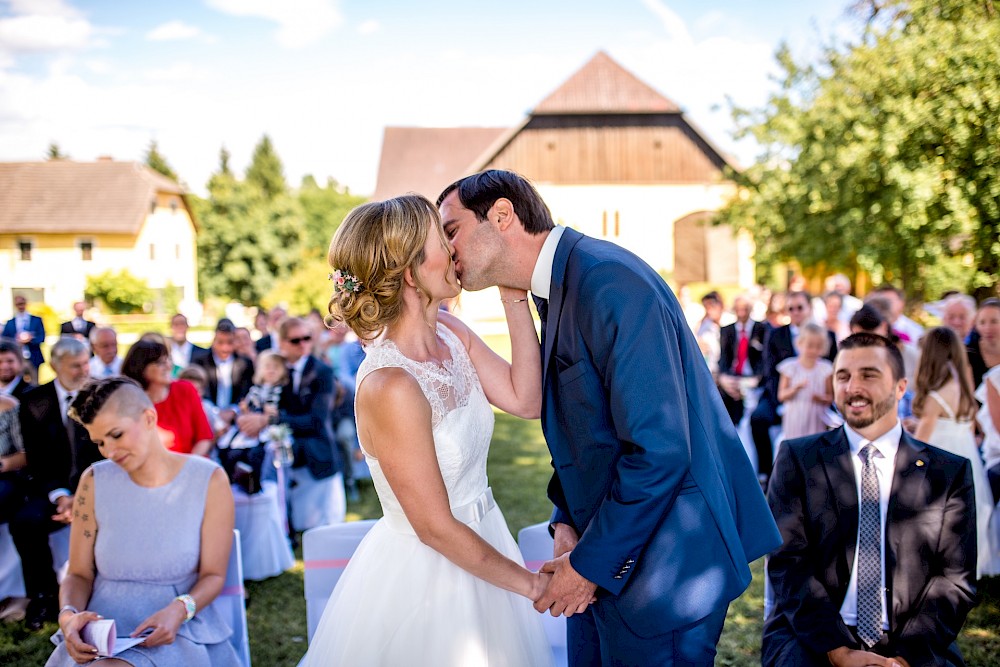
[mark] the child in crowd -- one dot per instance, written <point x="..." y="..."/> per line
<point x="806" y="385"/>
<point x="197" y="376"/>
<point x="235" y="447"/>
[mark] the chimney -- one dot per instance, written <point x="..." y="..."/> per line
<point x="104" y="158"/>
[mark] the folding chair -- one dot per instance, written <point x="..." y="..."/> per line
<point x="536" y="548"/>
<point x="326" y="551"/>
<point x="263" y="537"/>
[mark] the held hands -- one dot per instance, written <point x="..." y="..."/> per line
<point x="71" y="625"/>
<point x="163" y="623"/>
<point x="64" y="511"/>
<point x="251" y="424"/>
<point x="846" y="657"/>
<point x="568" y="592"/>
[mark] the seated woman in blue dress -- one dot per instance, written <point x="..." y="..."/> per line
<point x="150" y="540"/>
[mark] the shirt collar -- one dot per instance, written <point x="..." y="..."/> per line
<point x="887" y="444"/>
<point x="541" y="277"/>
<point x="300" y="365"/>
<point x="10" y="386"/>
<point x="220" y="362"/>
<point x="61" y="392"/>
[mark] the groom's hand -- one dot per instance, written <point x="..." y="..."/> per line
<point x="568" y="592"/>
<point x="564" y="539"/>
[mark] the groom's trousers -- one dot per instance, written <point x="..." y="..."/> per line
<point x="600" y="638"/>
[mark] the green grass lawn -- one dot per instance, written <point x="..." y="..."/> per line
<point x="519" y="470"/>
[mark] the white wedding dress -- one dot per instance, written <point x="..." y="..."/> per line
<point x="956" y="436"/>
<point x="399" y="602"/>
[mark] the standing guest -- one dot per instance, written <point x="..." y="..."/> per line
<point x="984" y="351"/>
<point x="29" y="332"/>
<point x="12" y="459"/>
<point x="840" y="284"/>
<point x="777" y="312"/>
<point x="841" y="329"/>
<point x="243" y="344"/>
<point x="988" y="395"/>
<point x="945" y="404"/>
<point x="105" y="362"/>
<point x="906" y="329"/>
<point x="708" y="330"/>
<point x="344" y="355"/>
<point x="741" y="352"/>
<point x="150" y="541"/>
<point x="878" y="560"/>
<point x="317" y="485"/>
<point x="58" y="452"/>
<point x="269" y="335"/>
<point x="183" y="352"/>
<point x="230" y="375"/>
<point x="780" y="346"/>
<point x="12" y="382"/>
<point x="645" y="491"/>
<point x="260" y="322"/>
<point x="958" y="312"/>
<point x="79" y="326"/>
<point x="806" y="385"/>
<point x="178" y="406"/>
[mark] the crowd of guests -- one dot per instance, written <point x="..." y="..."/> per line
<point x="218" y="402"/>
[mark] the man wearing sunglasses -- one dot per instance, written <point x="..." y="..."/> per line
<point x="780" y="346"/>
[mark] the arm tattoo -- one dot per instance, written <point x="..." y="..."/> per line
<point x="87" y="534"/>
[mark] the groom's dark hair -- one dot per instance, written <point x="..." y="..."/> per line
<point x="480" y="191"/>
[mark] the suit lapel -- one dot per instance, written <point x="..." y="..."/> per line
<point x="906" y="498"/>
<point x="840" y="475"/>
<point x="557" y="293"/>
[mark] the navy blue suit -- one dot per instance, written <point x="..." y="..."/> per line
<point x="34" y="348"/>
<point x="648" y="467"/>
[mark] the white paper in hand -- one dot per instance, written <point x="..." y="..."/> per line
<point x="102" y="636"/>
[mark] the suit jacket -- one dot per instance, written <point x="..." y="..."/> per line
<point x="66" y="329"/>
<point x="307" y="412"/>
<point x="242" y="375"/>
<point x="648" y="466"/>
<point x="21" y="388"/>
<point x="730" y="345"/>
<point x="263" y="344"/>
<point x="780" y="347"/>
<point x="930" y="547"/>
<point x="54" y="461"/>
<point x="34" y="348"/>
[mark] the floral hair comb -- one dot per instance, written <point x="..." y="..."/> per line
<point x="345" y="282"/>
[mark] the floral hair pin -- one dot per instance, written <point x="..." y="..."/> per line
<point x="345" y="282"/>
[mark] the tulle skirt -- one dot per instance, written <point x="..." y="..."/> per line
<point x="399" y="602"/>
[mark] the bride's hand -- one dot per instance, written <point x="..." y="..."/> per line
<point x="539" y="582"/>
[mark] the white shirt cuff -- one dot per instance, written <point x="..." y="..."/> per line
<point x="57" y="494"/>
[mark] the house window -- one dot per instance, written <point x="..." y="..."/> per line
<point x="617" y="225"/>
<point x="152" y="205"/>
<point x="174" y="205"/>
<point x="152" y="252"/>
<point x="604" y="223"/>
<point x="86" y="251"/>
<point x="177" y="251"/>
<point x="24" y="247"/>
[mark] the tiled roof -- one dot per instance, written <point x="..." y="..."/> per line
<point x="428" y="159"/>
<point x="61" y="196"/>
<point x="604" y="86"/>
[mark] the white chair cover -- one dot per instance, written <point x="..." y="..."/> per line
<point x="316" y="502"/>
<point x="536" y="548"/>
<point x="231" y="604"/>
<point x="263" y="539"/>
<point x="11" y="579"/>
<point x="325" y="552"/>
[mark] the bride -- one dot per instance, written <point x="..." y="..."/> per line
<point x="439" y="580"/>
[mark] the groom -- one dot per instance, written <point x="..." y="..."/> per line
<point x="657" y="509"/>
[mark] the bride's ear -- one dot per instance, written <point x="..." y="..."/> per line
<point x="408" y="277"/>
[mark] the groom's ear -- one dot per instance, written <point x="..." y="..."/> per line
<point x="501" y="213"/>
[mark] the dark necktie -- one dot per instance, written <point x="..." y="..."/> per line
<point x="869" y="553"/>
<point x="741" y="353"/>
<point x="542" y="306"/>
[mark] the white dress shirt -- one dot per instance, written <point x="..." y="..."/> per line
<point x="99" y="370"/>
<point x="541" y="276"/>
<point x="64" y="401"/>
<point x="297" y="369"/>
<point x="886" y="446"/>
<point x="224" y="382"/>
<point x="180" y="355"/>
<point x="8" y="389"/>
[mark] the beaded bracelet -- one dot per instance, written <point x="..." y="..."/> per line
<point x="189" y="606"/>
<point x="505" y="301"/>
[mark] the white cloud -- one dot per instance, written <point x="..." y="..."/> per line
<point x="173" y="31"/>
<point x="369" y="27"/>
<point x="182" y="71"/>
<point x="301" y="22"/>
<point x="42" y="7"/>
<point x="39" y="33"/>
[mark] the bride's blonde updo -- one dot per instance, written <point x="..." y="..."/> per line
<point x="375" y="244"/>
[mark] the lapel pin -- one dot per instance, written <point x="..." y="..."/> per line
<point x="920" y="464"/>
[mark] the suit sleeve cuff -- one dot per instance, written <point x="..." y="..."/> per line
<point x="55" y="495"/>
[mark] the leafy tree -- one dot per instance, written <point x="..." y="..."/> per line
<point x="121" y="292"/>
<point x="885" y="155"/>
<point x="54" y="153"/>
<point x="266" y="172"/>
<point x="156" y="161"/>
<point x="324" y="209"/>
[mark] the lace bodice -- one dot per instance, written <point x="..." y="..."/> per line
<point x="461" y="417"/>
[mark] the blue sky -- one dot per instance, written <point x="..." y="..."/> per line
<point x="324" y="77"/>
